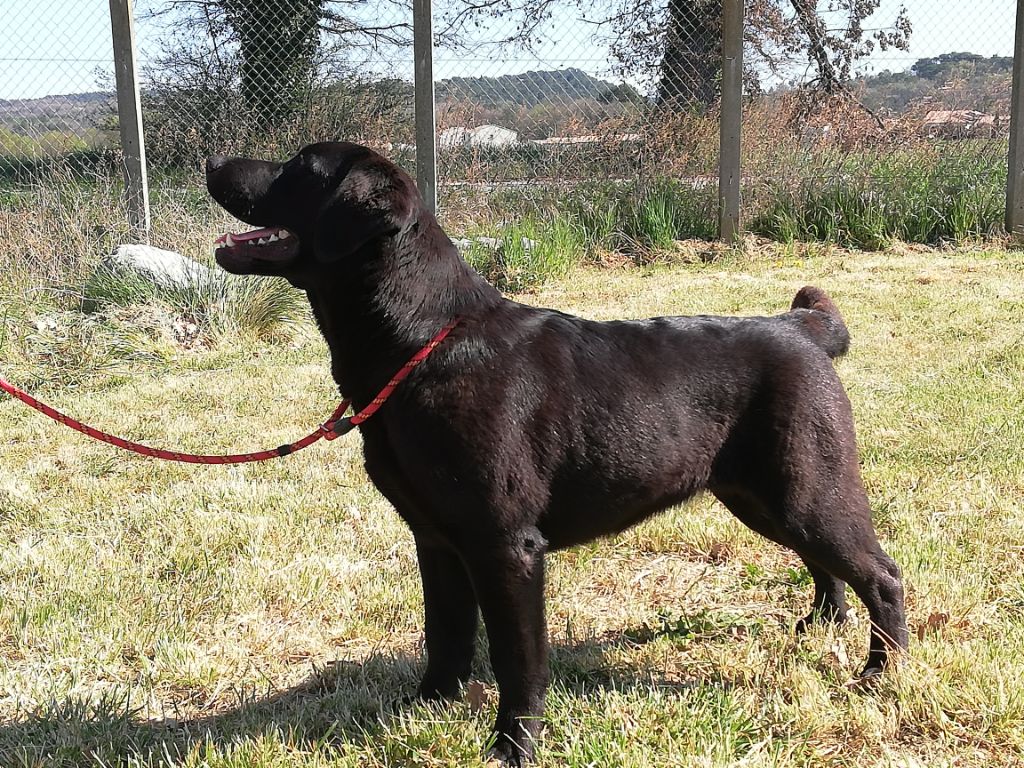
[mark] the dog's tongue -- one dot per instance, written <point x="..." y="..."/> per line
<point x="242" y="237"/>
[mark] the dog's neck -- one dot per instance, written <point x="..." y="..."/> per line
<point x="390" y="303"/>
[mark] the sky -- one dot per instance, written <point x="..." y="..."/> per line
<point x="64" y="46"/>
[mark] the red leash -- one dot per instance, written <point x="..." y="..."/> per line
<point x="332" y="428"/>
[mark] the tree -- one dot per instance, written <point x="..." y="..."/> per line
<point x="949" y="66"/>
<point x="277" y="45"/>
<point x="675" y="44"/>
<point x="690" y="65"/>
<point x="276" y="51"/>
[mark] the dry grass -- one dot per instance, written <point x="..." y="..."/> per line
<point x="268" y="616"/>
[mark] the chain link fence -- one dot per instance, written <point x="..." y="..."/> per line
<point x="56" y="88"/>
<point x="267" y="76"/>
<point x="919" y="129"/>
<point x="538" y="100"/>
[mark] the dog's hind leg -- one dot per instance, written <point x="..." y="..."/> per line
<point x="837" y="546"/>
<point x="829" y="592"/>
<point x="450" y="610"/>
<point x="831" y="530"/>
<point x="829" y="599"/>
<point x="858" y="559"/>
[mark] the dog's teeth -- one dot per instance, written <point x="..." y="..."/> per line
<point x="262" y="241"/>
<point x="273" y="239"/>
<point x="229" y="241"/>
<point x="283" y="233"/>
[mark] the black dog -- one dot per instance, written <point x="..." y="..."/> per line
<point x="529" y="430"/>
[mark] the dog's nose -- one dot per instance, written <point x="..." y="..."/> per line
<point x="213" y="162"/>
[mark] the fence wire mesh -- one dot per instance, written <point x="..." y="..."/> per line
<point x="540" y="98"/>
<point x="920" y="126"/>
<point x="56" y="92"/>
<point x="267" y="76"/>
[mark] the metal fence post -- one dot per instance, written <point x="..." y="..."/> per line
<point x="426" y="138"/>
<point x="129" y="116"/>
<point x="1015" y="169"/>
<point x="731" y="120"/>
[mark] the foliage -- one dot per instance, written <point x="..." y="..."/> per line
<point x="212" y="304"/>
<point x="528" y="253"/>
<point x="278" y="42"/>
<point x="668" y="46"/>
<point x="531" y="89"/>
<point x="949" y="66"/>
<point x="918" y="194"/>
<point x="949" y="81"/>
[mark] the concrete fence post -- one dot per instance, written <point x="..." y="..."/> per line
<point x="426" y="126"/>
<point x="129" y="116"/>
<point x="1015" y="168"/>
<point x="731" y="121"/>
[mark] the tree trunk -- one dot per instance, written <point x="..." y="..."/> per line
<point x="691" y="67"/>
<point x="278" y="42"/>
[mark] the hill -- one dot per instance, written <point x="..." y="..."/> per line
<point x="71" y="113"/>
<point x="530" y="89"/>
<point x="948" y="81"/>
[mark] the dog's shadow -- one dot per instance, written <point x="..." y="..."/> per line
<point x="344" y="702"/>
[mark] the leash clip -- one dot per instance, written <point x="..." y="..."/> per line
<point x="334" y="429"/>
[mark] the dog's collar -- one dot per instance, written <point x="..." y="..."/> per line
<point x="339" y="427"/>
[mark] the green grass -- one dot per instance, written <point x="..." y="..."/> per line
<point x="611" y="222"/>
<point x="528" y="252"/>
<point x="269" y="615"/>
<point x="862" y="200"/>
<point x="217" y="304"/>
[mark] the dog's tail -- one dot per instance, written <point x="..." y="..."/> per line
<point x="819" y="317"/>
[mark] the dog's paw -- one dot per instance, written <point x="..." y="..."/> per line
<point x="506" y="755"/>
<point x="803" y="624"/>
<point x="867" y="680"/>
<point x="506" y="751"/>
<point x="440" y="690"/>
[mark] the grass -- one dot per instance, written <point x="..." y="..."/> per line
<point x="922" y="194"/>
<point x="527" y="253"/>
<point x="214" y="302"/>
<point x="270" y="615"/>
<point x="65" y="313"/>
<point x="543" y="233"/>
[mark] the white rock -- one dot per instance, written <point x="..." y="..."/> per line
<point x="493" y="243"/>
<point x="167" y="268"/>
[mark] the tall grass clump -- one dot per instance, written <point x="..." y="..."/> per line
<point x="666" y="211"/>
<point x="55" y="227"/>
<point x="214" y="301"/>
<point x="928" y="193"/>
<point x="542" y="233"/>
<point x="528" y="252"/>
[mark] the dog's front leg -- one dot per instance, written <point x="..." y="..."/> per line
<point x="508" y="573"/>
<point x="450" y="610"/>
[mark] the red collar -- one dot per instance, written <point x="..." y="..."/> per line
<point x="338" y="427"/>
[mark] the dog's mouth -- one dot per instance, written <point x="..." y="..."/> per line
<point x="240" y="252"/>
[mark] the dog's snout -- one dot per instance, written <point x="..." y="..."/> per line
<point x="213" y="162"/>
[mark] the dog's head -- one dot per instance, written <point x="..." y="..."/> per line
<point x="331" y="201"/>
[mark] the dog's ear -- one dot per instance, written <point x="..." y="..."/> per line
<point x="371" y="202"/>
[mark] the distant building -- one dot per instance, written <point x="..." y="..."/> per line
<point x="481" y="136"/>
<point x="452" y="138"/>
<point x="605" y="139"/>
<point x="962" y="123"/>
<point x="492" y="136"/>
